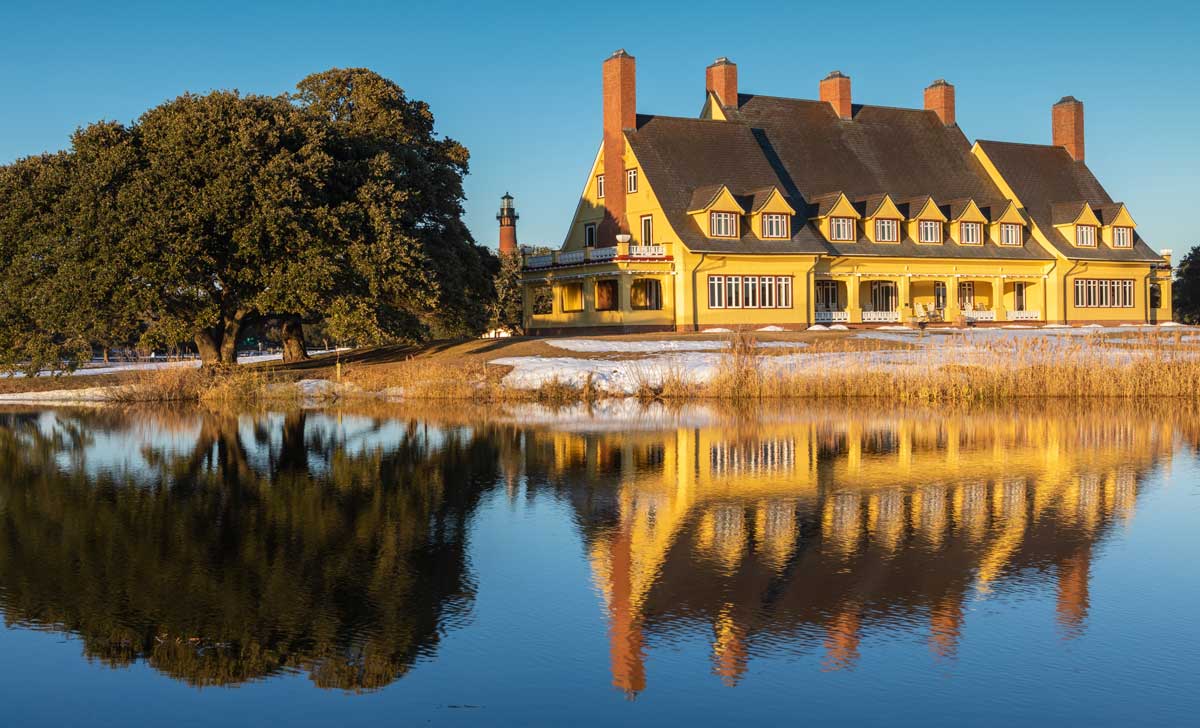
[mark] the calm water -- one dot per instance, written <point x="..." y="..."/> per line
<point x="599" y="567"/>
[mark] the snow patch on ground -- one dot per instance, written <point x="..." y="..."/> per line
<point x="839" y="327"/>
<point x="717" y="330"/>
<point x="771" y="328"/>
<point x="818" y="327"/>
<point x="601" y="345"/>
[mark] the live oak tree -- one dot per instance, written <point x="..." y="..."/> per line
<point x="338" y="204"/>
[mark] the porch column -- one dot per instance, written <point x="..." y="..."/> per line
<point x="904" y="304"/>
<point x="952" y="312"/>
<point x="624" y="284"/>
<point x="526" y="306"/>
<point x="853" y="307"/>
<point x="998" y="300"/>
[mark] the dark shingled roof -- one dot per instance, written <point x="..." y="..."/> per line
<point x="1045" y="177"/>
<point x="805" y="150"/>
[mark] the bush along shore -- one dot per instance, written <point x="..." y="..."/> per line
<point x="935" y="369"/>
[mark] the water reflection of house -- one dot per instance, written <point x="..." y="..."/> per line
<point x="806" y="536"/>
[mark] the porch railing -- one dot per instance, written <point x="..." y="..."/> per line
<point x="570" y="257"/>
<point x="605" y="253"/>
<point x="880" y="317"/>
<point x="832" y="317"/>
<point x="1024" y="315"/>
<point x="979" y="315"/>
<point x="647" y="251"/>
<point x="539" y="261"/>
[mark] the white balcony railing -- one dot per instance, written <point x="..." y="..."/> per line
<point x="647" y="251"/>
<point x="832" y="317"/>
<point x="1024" y="315"/>
<point x="570" y="257"/>
<point x="881" y="317"/>
<point x="979" y="315"/>
<point x="606" y="253"/>
<point x="539" y="261"/>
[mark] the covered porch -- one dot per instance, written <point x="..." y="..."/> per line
<point x="964" y="299"/>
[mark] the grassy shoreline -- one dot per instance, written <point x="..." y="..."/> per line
<point x="943" y="369"/>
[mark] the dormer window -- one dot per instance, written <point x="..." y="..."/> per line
<point x="600" y="186"/>
<point x="930" y="231"/>
<point x="723" y="225"/>
<point x="1085" y="236"/>
<point x="1010" y="234"/>
<point x="887" y="231"/>
<point x="970" y="233"/>
<point x="631" y="180"/>
<point x="776" y="225"/>
<point x="841" y="229"/>
<point x="1122" y="237"/>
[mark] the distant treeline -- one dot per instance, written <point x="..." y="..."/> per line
<point x="213" y="216"/>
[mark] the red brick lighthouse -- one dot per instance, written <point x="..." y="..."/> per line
<point x="508" y="225"/>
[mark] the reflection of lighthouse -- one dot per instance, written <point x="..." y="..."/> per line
<point x="508" y="225"/>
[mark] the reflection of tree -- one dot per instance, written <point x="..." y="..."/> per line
<point x="217" y="572"/>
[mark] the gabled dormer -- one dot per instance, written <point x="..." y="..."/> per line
<point x="926" y="221"/>
<point x="1077" y="222"/>
<point x="717" y="212"/>
<point x="1117" y="225"/>
<point x="836" y="217"/>
<point x="1007" y="225"/>
<point x="771" y="214"/>
<point x="966" y="220"/>
<point x="882" y="220"/>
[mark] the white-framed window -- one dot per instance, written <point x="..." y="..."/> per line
<point x="783" y="286"/>
<point x="733" y="291"/>
<point x="966" y="295"/>
<point x="1122" y="237"/>
<point x="841" y="229"/>
<point x="827" y="296"/>
<point x="631" y="180"/>
<point x="749" y="291"/>
<point x="883" y="296"/>
<point x="600" y="186"/>
<point x="1010" y="233"/>
<point x="887" y="231"/>
<point x="776" y="225"/>
<point x="723" y="224"/>
<point x="1085" y="236"/>
<point x="939" y="295"/>
<point x="929" y="231"/>
<point x="1019" y="295"/>
<point x="716" y="291"/>
<point x="970" y="233"/>
<point x="1103" y="293"/>
<point x="647" y="230"/>
<point x="766" y="291"/>
<point x="589" y="235"/>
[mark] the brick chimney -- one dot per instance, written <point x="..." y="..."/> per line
<point x="508" y="225"/>
<point x="1068" y="126"/>
<point x="835" y="88"/>
<point x="721" y="79"/>
<point x="620" y="113"/>
<point x="939" y="98"/>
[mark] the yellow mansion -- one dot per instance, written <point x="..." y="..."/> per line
<point x="770" y="211"/>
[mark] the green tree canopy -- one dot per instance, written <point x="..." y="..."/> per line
<point x="337" y="204"/>
<point x="1186" y="288"/>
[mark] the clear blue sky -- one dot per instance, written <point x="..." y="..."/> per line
<point x="519" y="84"/>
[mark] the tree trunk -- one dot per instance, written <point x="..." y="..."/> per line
<point x="209" y="349"/>
<point x="218" y="345"/>
<point x="293" y="339"/>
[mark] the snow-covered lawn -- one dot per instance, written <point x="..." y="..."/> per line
<point x="97" y="368"/>
<point x="596" y="346"/>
